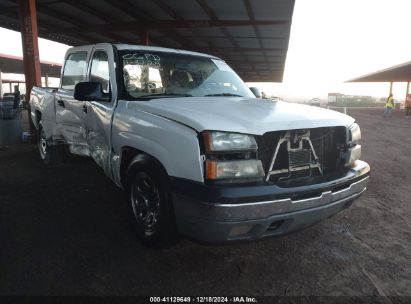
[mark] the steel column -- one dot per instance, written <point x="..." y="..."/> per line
<point x="46" y="80"/>
<point x="29" y="37"/>
<point x="144" y="37"/>
<point x="390" y="87"/>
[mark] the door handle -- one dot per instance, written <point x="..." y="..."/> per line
<point x="61" y="103"/>
<point x="85" y="109"/>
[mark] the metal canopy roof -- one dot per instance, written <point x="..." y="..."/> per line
<point x="14" y="64"/>
<point x="398" y="73"/>
<point x="251" y="35"/>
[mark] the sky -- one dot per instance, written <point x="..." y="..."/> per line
<point x="331" y="41"/>
<point x="49" y="51"/>
<point x="336" y="40"/>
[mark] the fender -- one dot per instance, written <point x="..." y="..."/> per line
<point x="173" y="144"/>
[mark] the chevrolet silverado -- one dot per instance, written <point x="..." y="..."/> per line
<point x="196" y="152"/>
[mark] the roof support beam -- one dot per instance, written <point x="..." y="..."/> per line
<point x="144" y="37"/>
<point x="251" y="16"/>
<point x="92" y="11"/>
<point x="44" y="28"/>
<point x="213" y="16"/>
<point x="172" y="33"/>
<point x="168" y="24"/>
<point x="238" y="49"/>
<point x="47" y="10"/>
<point x="130" y="9"/>
<point x="224" y="37"/>
<point x="134" y="10"/>
<point x="165" y="7"/>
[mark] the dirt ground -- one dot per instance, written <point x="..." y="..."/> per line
<point x="64" y="231"/>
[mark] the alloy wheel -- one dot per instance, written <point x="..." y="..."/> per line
<point x="145" y="201"/>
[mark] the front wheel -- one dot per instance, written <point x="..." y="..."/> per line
<point x="150" y="206"/>
<point x="51" y="155"/>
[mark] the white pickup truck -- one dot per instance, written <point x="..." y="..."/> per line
<point x="196" y="152"/>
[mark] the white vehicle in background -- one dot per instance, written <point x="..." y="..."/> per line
<point x="194" y="149"/>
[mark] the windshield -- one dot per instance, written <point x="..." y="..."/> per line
<point x="158" y="74"/>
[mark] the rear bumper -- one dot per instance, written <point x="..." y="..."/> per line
<point x="215" y="214"/>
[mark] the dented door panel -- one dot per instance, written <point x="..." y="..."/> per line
<point x="99" y="114"/>
<point x="98" y="127"/>
<point x="70" y="117"/>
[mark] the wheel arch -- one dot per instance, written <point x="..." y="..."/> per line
<point x="37" y="118"/>
<point x="133" y="158"/>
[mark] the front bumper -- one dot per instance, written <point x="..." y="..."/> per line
<point x="218" y="214"/>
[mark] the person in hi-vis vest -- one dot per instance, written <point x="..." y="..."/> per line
<point x="389" y="106"/>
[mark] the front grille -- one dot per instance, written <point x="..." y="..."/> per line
<point x="299" y="158"/>
<point x="326" y="143"/>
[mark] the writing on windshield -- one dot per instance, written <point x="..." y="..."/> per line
<point x="173" y="75"/>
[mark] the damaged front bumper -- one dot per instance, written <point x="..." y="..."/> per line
<point x="219" y="214"/>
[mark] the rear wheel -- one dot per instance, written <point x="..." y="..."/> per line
<point x="150" y="206"/>
<point x="50" y="154"/>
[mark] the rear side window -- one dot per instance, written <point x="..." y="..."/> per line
<point x="74" y="70"/>
<point x="100" y="71"/>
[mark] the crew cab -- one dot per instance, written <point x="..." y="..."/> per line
<point x="196" y="152"/>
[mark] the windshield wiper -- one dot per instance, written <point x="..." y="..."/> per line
<point x="224" y="94"/>
<point x="149" y="96"/>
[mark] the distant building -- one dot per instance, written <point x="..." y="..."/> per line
<point x="339" y="99"/>
<point x="333" y="97"/>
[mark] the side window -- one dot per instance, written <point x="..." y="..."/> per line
<point x="74" y="70"/>
<point x="100" y="70"/>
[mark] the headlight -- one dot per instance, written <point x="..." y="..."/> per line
<point x="354" y="149"/>
<point x="354" y="134"/>
<point x="215" y="141"/>
<point x="353" y="154"/>
<point x="233" y="169"/>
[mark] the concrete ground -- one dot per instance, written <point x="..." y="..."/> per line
<point x="64" y="231"/>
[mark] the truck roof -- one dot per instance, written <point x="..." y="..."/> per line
<point x="160" y="49"/>
<point x="121" y="46"/>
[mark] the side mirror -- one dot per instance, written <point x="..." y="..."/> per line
<point x="90" y="91"/>
<point x="256" y="91"/>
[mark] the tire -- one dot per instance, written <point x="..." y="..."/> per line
<point x="149" y="203"/>
<point x="50" y="155"/>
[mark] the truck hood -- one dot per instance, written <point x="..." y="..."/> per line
<point x="242" y="115"/>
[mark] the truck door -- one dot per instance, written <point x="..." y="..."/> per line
<point x="70" y="113"/>
<point x="99" y="113"/>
